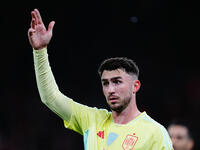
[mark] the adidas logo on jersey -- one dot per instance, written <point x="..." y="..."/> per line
<point x="101" y="134"/>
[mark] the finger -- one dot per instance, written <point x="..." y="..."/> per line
<point x="33" y="23"/>
<point x="30" y="32"/>
<point x="51" y="25"/>
<point x="38" y="16"/>
<point x="33" y="20"/>
<point x="34" y="16"/>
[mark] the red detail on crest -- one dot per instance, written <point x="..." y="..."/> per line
<point x="101" y="134"/>
<point x="129" y="142"/>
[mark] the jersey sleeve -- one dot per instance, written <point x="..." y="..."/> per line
<point x="48" y="89"/>
<point x="83" y="117"/>
<point x="162" y="140"/>
<point x="77" y="117"/>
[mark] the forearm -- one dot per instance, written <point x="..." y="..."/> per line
<point x="48" y="89"/>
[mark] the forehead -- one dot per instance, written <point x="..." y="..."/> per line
<point x="177" y="130"/>
<point x="114" y="73"/>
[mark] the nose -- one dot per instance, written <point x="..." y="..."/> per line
<point x="111" y="89"/>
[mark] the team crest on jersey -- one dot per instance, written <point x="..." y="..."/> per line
<point x="129" y="142"/>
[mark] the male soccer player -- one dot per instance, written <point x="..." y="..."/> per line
<point x="180" y="135"/>
<point x="125" y="127"/>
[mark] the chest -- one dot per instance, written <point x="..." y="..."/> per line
<point x="122" y="138"/>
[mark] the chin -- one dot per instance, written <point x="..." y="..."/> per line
<point x="117" y="108"/>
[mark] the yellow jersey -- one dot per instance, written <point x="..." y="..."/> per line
<point x="97" y="125"/>
<point x="101" y="133"/>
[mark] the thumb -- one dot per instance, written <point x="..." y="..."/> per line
<point x="50" y="27"/>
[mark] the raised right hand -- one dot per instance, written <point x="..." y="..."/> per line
<point x="38" y="36"/>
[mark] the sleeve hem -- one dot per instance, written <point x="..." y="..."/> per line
<point x="40" y="51"/>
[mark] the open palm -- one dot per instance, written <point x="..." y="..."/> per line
<point x="39" y="36"/>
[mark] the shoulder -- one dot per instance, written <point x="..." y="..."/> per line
<point x="157" y="131"/>
<point x="153" y="125"/>
<point x="91" y="111"/>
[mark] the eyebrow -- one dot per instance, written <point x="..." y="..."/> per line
<point x="114" y="78"/>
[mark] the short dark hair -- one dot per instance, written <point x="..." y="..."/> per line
<point x="184" y="123"/>
<point x="114" y="63"/>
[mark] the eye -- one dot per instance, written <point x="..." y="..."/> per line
<point x="117" y="81"/>
<point x="105" y="83"/>
<point x="179" y="137"/>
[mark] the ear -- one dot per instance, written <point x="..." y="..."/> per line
<point x="136" y="86"/>
<point x="191" y="144"/>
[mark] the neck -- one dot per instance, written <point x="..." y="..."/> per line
<point x="127" y="115"/>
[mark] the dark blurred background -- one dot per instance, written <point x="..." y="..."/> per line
<point x="161" y="36"/>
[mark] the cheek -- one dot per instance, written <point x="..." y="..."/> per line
<point x="124" y="89"/>
<point x="121" y="91"/>
<point x="104" y="91"/>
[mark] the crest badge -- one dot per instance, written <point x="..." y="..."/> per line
<point x="129" y="142"/>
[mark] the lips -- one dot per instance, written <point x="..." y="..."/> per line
<point x="113" y="99"/>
